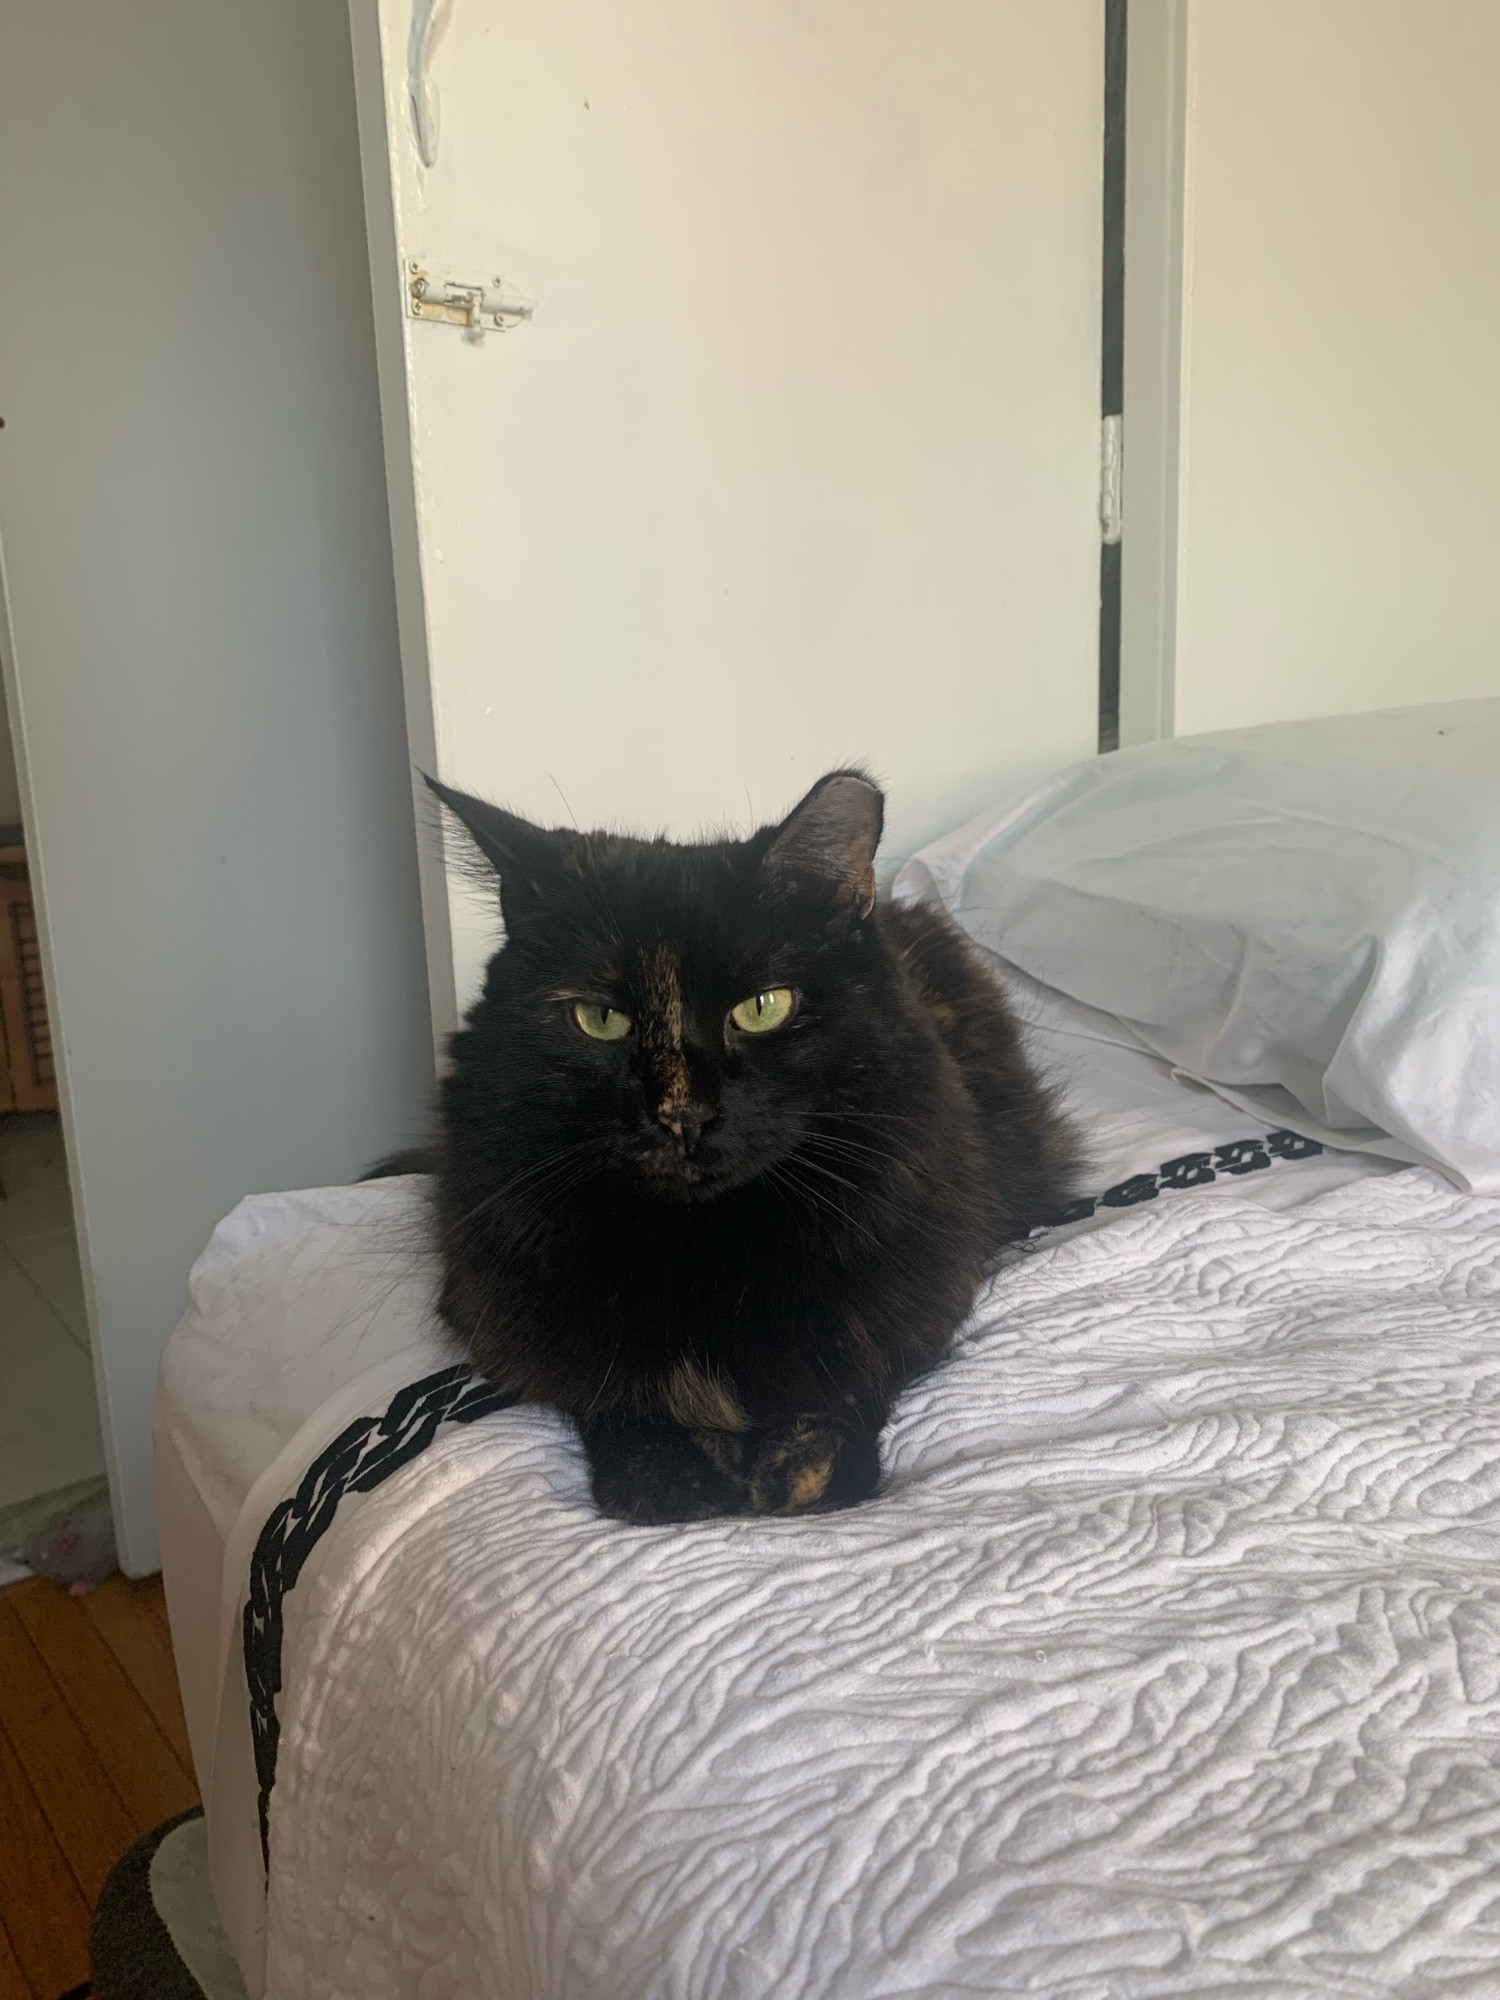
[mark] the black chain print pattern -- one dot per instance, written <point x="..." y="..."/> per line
<point x="1235" y="1156"/>
<point x="358" y="1460"/>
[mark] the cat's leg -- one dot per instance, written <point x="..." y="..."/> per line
<point x="643" y="1471"/>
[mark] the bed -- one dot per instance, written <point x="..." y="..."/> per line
<point x="1167" y="1660"/>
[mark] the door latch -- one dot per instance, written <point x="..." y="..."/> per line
<point x="475" y="309"/>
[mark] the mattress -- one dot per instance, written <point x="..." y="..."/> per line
<point x="1151" y="1552"/>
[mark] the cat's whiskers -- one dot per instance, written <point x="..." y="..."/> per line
<point x="854" y="1150"/>
<point x="800" y="1159"/>
<point x="846" y="1117"/>
<point x="597" y="1401"/>
<point x="538" y="1172"/>
<point x="819" y="1200"/>
<point x="769" y="1179"/>
<point x="529" y="1181"/>
<point x="539" y="1197"/>
<point x="783" y="1171"/>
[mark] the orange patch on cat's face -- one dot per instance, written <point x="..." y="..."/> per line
<point x="661" y="1029"/>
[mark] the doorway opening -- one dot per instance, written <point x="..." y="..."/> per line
<point x="51" y="1447"/>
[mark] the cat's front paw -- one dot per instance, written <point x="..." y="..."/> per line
<point x="809" y="1465"/>
<point x="649" y="1473"/>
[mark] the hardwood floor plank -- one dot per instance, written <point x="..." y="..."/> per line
<point x="88" y="1821"/>
<point x="14" y="1984"/>
<point x="139" y="1760"/>
<point x="154" y="1595"/>
<point x="41" y="1905"/>
<point x="123" y="1614"/>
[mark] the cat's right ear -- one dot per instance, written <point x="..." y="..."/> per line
<point x="522" y="855"/>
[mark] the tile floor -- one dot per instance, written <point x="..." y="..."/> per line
<point x="49" y="1420"/>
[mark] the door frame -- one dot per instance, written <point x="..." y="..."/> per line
<point x="387" y="303"/>
<point x="1158" y="284"/>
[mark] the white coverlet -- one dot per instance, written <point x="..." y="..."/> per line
<point x="1167" y="1662"/>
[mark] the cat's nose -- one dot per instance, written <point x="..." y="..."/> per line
<point x="686" y="1121"/>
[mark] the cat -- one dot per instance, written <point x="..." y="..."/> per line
<point x="725" y="1149"/>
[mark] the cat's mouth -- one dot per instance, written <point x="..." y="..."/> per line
<point x="673" y="1172"/>
<point x="670" y="1171"/>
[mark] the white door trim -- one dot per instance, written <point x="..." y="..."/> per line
<point x="388" y="306"/>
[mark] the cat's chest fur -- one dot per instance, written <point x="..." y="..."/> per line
<point x="784" y="1304"/>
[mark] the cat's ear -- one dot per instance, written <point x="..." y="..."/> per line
<point x="523" y="856"/>
<point x="830" y="840"/>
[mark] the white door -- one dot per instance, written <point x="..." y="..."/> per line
<point x="796" y="460"/>
<point x="1312" y="291"/>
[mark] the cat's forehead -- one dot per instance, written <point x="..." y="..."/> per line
<point x="665" y="920"/>
<point x="663" y="965"/>
<point x="647" y="892"/>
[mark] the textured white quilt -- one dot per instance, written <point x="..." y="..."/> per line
<point x="1168" y="1662"/>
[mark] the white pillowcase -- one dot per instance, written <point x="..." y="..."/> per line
<point x="1305" y="917"/>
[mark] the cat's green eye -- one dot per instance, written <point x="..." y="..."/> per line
<point x="765" y="1011"/>
<point x="601" y="1024"/>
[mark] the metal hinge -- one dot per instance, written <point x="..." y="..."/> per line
<point x="1110" y="448"/>
<point x="476" y="309"/>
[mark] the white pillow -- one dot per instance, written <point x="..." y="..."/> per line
<point x="1305" y="917"/>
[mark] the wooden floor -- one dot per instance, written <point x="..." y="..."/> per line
<point x="93" y="1752"/>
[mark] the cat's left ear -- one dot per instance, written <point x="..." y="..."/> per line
<point x="830" y="840"/>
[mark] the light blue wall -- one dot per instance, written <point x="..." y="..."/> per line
<point x="204" y="678"/>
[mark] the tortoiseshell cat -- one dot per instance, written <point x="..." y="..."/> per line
<point x="726" y="1148"/>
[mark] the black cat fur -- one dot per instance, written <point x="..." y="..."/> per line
<point x="723" y="1254"/>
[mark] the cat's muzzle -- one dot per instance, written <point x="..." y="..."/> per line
<point x="678" y="1160"/>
